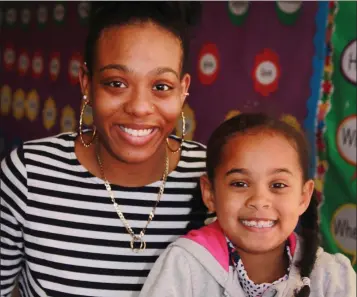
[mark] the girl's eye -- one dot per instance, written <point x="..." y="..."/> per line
<point x="115" y="84"/>
<point x="278" y="186"/>
<point x="162" y="87"/>
<point x="239" y="184"/>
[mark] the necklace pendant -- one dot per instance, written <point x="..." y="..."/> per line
<point x="137" y="240"/>
<point x="137" y="243"/>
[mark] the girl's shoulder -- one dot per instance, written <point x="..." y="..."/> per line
<point x="335" y="273"/>
<point x="337" y="263"/>
<point x="327" y="264"/>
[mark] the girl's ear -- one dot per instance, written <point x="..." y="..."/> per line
<point x="306" y="195"/>
<point x="207" y="193"/>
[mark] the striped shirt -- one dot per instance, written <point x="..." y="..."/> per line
<point x="60" y="233"/>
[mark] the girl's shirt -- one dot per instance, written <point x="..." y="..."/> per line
<point x="197" y="265"/>
<point x="249" y="287"/>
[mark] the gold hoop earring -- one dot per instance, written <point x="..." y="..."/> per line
<point x="81" y="123"/>
<point x="182" y="137"/>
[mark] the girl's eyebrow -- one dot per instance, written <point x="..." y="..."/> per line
<point x="237" y="170"/>
<point x="281" y="170"/>
<point x="246" y="171"/>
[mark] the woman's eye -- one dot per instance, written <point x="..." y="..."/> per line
<point x="162" y="87"/>
<point x="115" y="84"/>
<point x="278" y="186"/>
<point x="239" y="184"/>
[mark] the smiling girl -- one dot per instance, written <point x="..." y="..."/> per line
<point x="257" y="184"/>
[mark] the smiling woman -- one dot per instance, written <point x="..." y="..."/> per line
<point x="136" y="91"/>
<point x="88" y="213"/>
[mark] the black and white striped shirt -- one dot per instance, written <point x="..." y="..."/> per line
<point x="59" y="230"/>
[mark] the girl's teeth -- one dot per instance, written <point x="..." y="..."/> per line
<point x="136" y="133"/>
<point x="258" y="224"/>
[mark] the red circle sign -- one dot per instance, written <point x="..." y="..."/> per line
<point x="208" y="64"/>
<point x="266" y="72"/>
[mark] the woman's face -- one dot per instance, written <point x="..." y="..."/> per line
<point x="136" y="91"/>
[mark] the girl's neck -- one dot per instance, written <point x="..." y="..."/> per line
<point x="265" y="267"/>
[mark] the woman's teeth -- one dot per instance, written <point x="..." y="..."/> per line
<point x="135" y="132"/>
<point x="258" y="224"/>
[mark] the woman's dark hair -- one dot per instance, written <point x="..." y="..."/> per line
<point x="309" y="220"/>
<point x="178" y="17"/>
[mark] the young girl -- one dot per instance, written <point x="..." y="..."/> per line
<point x="257" y="184"/>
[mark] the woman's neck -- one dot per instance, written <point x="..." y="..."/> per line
<point x="265" y="267"/>
<point x="129" y="174"/>
<point x="121" y="173"/>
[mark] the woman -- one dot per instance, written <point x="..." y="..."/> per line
<point x="87" y="214"/>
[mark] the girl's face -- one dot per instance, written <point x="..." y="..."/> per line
<point x="258" y="192"/>
<point x="136" y="90"/>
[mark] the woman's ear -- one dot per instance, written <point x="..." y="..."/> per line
<point x="84" y="80"/>
<point x="207" y="193"/>
<point x="185" y="85"/>
<point x="306" y="195"/>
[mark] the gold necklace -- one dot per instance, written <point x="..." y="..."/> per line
<point x="134" y="238"/>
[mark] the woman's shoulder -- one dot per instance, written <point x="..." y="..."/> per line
<point x="53" y="147"/>
<point x="195" y="145"/>
<point x="192" y="152"/>
<point x="56" y="145"/>
<point x="190" y="144"/>
<point x="193" y="157"/>
<point x="65" y="139"/>
<point x="193" y="149"/>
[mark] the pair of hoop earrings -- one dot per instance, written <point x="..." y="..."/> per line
<point x="88" y="144"/>
<point x="85" y="144"/>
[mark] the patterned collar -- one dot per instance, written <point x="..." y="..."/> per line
<point x="249" y="287"/>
